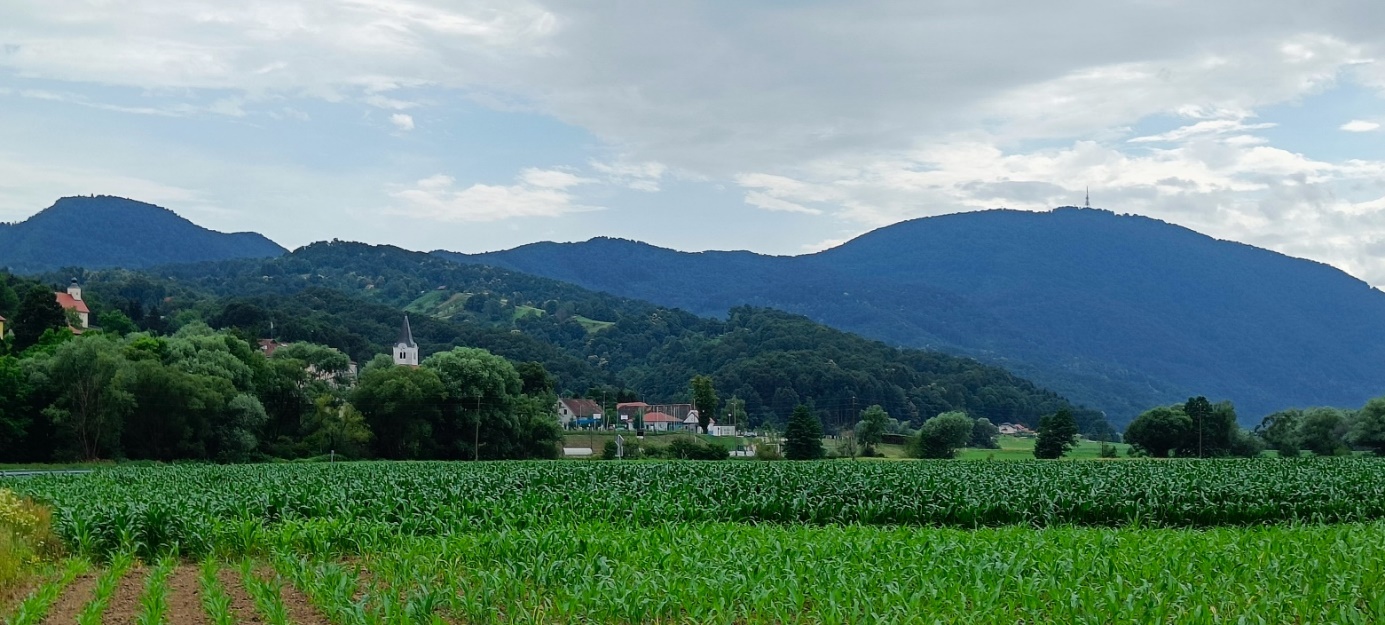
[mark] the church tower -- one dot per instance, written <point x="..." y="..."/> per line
<point x="405" y="349"/>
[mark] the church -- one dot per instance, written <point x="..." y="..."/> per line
<point x="405" y="349"/>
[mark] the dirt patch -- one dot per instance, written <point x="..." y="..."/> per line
<point x="124" y="606"/>
<point x="300" y="610"/>
<point x="242" y="606"/>
<point x="11" y="596"/>
<point x="71" y="601"/>
<point x="185" y="598"/>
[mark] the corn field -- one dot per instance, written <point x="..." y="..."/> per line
<point x="1250" y="541"/>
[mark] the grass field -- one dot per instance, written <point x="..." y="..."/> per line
<point x="1136" y="541"/>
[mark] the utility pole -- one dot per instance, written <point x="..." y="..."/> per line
<point x="476" y="433"/>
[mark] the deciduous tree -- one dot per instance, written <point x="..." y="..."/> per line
<point x="1057" y="435"/>
<point x="943" y="435"/>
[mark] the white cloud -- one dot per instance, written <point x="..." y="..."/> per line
<point x="1357" y="125"/>
<point x="536" y="193"/>
<point x="644" y="176"/>
<point x="402" y="121"/>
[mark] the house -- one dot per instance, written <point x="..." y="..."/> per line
<point x="690" y="423"/>
<point x="269" y="346"/>
<point x="1014" y="429"/>
<point x="574" y="410"/>
<point x="2" y="327"/>
<point x="405" y="349"/>
<point x="661" y="422"/>
<point x="72" y="300"/>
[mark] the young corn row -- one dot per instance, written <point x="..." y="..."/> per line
<point x="33" y="607"/>
<point x="239" y="510"/>
<point x="105" y="588"/>
<point x="720" y="573"/>
<point x="214" y="598"/>
<point x="154" y="601"/>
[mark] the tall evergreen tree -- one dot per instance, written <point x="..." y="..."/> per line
<point x="803" y="436"/>
<point x="704" y="396"/>
<point x="1057" y="435"/>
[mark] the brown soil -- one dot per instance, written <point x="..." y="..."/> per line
<point x="185" y="598"/>
<point x="11" y="596"/>
<point x="300" y="610"/>
<point x="242" y="606"/>
<point x="124" y="606"/>
<point x="71" y="601"/>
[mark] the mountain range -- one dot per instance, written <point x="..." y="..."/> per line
<point x="1116" y="312"/>
<point x="1119" y="312"/>
<point x="105" y="231"/>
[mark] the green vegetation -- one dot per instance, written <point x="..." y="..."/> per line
<point x="246" y="509"/>
<point x="747" y="542"/>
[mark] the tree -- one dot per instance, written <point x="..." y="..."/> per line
<point x="480" y="416"/>
<point x="1323" y="431"/>
<point x="9" y="299"/>
<point x="534" y="378"/>
<point x="115" y="322"/>
<point x="943" y="435"/>
<point x="38" y="311"/>
<point x="1159" y="430"/>
<point x="704" y="397"/>
<point x="321" y="361"/>
<point x="171" y="413"/>
<point x="1280" y="431"/>
<point x="984" y="435"/>
<point x="235" y="436"/>
<point x="871" y="430"/>
<point x="1368" y="427"/>
<point x="1057" y="435"/>
<point x="15" y="415"/>
<point x="401" y="406"/>
<point x="90" y="405"/>
<point x="337" y="428"/>
<point x="803" y="436"/>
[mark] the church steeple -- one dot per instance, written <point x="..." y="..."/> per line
<point x="405" y="349"/>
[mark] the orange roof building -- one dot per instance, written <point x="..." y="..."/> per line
<point x="72" y="300"/>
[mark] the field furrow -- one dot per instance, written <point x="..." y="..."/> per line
<point x="73" y="599"/>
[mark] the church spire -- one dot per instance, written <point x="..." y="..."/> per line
<point x="405" y="349"/>
<point x="406" y="336"/>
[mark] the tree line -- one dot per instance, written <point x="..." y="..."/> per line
<point x="205" y="394"/>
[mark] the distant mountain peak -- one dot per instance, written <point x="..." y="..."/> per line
<point x="99" y="231"/>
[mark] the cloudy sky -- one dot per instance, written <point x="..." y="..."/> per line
<point x="777" y="126"/>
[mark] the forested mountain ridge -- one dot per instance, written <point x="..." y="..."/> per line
<point x="350" y="296"/>
<point x="105" y="231"/>
<point x="1115" y="311"/>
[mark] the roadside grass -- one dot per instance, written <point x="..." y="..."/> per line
<point x="27" y="541"/>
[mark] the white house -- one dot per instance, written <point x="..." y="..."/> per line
<point x="570" y="410"/>
<point x="660" y="422"/>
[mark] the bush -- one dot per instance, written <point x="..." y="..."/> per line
<point x="766" y="452"/>
<point x="689" y="448"/>
<point x="26" y="538"/>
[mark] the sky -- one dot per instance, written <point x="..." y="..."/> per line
<point x="782" y="127"/>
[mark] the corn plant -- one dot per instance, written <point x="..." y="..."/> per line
<point x="32" y="609"/>
<point x="105" y="587"/>
<point x="214" y="598"/>
<point x="265" y="593"/>
<point x="153" y="602"/>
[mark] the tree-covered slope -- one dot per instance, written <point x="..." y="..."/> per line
<point x="105" y="231"/>
<point x="1117" y="312"/>
<point x="351" y="296"/>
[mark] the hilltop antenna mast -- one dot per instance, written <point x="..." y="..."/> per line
<point x="1088" y="204"/>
